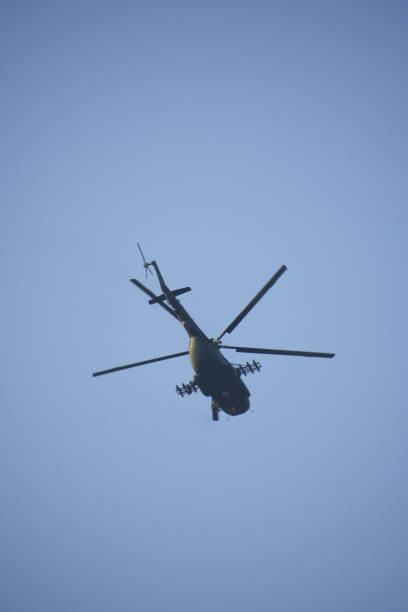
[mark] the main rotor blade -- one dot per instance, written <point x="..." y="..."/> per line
<point x="247" y="349"/>
<point x="139" y="363"/>
<point x="253" y="302"/>
<point x="152" y="295"/>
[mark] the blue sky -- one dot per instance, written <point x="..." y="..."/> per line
<point x="228" y="138"/>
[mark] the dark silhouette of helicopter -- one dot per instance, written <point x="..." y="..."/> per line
<point x="214" y="375"/>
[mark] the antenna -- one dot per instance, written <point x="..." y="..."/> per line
<point x="145" y="264"/>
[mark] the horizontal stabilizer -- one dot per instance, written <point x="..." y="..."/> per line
<point x="162" y="297"/>
<point x="152" y="295"/>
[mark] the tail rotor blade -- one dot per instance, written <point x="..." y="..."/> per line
<point x="253" y="302"/>
<point x="141" y="252"/>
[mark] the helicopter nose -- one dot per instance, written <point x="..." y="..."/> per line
<point x="238" y="407"/>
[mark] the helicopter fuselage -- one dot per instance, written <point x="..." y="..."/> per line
<point x="215" y="376"/>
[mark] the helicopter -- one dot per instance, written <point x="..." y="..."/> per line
<point x="214" y="375"/>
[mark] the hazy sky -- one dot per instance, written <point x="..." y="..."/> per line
<point x="228" y="138"/>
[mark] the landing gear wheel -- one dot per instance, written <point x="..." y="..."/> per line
<point x="215" y="411"/>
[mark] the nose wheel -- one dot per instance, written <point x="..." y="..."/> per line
<point x="215" y="411"/>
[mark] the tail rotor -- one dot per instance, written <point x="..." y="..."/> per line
<point x="145" y="264"/>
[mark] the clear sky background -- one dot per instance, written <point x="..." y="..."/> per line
<point x="228" y="138"/>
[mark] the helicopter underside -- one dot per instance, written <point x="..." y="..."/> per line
<point x="232" y="404"/>
<point x="216" y="377"/>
